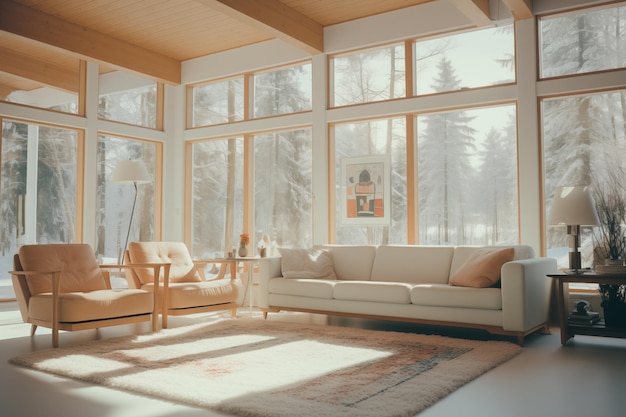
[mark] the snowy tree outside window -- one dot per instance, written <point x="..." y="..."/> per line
<point x="467" y="176"/>
<point x="218" y="102"/>
<point x="368" y="76"/>
<point x="490" y="64"/>
<point x="37" y="188"/>
<point x="584" y="139"/>
<point x="217" y="196"/>
<point x="578" y="43"/>
<point x="282" y="189"/>
<point x="115" y="201"/>
<point x="282" y="91"/>
<point x="128" y="98"/>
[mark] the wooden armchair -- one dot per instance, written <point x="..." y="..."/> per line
<point x="182" y="288"/>
<point x="62" y="287"/>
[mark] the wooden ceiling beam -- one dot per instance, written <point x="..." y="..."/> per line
<point x="277" y="19"/>
<point x="39" y="71"/>
<point x="520" y="9"/>
<point x="475" y="10"/>
<point x="85" y="43"/>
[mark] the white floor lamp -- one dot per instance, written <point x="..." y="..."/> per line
<point x="132" y="171"/>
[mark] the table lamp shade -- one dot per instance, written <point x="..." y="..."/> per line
<point x="131" y="171"/>
<point x="573" y="205"/>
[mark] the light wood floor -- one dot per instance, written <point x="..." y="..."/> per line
<point x="586" y="378"/>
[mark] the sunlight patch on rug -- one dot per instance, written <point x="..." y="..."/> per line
<point x="264" y="368"/>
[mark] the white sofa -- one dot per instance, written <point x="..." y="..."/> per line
<point x="412" y="283"/>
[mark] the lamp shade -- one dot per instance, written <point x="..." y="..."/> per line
<point x="573" y="205"/>
<point x="131" y="171"/>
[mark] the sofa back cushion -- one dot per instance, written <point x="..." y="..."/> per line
<point x="413" y="264"/>
<point x="307" y="263"/>
<point x="352" y="262"/>
<point x="77" y="263"/>
<point x="182" y="269"/>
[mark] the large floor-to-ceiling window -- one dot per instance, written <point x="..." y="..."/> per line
<point x="260" y="182"/>
<point x="583" y="128"/>
<point x="437" y="123"/>
<point x="39" y="187"/>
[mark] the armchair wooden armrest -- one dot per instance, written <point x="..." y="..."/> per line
<point x="156" y="266"/>
<point x="202" y="263"/>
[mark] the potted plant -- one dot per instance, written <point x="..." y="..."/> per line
<point x="610" y="248"/>
<point x="614" y="304"/>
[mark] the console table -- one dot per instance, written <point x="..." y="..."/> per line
<point x="568" y="330"/>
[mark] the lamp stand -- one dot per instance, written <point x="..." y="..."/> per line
<point x="574" y="254"/>
<point x="130" y="224"/>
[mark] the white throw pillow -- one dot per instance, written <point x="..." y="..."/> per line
<point x="307" y="263"/>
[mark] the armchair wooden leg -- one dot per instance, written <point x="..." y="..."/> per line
<point x="33" y="329"/>
<point x="164" y="320"/>
<point x="233" y="312"/>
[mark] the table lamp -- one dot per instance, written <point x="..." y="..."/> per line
<point x="131" y="171"/>
<point x="573" y="207"/>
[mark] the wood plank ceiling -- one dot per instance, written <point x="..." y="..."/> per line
<point x="43" y="41"/>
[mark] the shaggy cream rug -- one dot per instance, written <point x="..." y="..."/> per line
<point x="249" y="367"/>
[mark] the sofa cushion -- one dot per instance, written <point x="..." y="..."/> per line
<point x="413" y="264"/>
<point x="313" y="288"/>
<point x="382" y="292"/>
<point x="482" y="269"/>
<point x="307" y="263"/>
<point x="443" y="295"/>
<point x="352" y="262"/>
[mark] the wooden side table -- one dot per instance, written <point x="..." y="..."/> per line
<point x="568" y="330"/>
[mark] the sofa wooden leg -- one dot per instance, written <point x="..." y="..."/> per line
<point x="33" y="329"/>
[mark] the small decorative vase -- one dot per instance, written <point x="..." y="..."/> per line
<point x="243" y="250"/>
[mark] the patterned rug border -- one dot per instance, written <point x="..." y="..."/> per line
<point x="373" y="373"/>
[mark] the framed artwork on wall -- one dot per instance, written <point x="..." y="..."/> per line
<point x="365" y="190"/>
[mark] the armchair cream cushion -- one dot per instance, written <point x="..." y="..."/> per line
<point x="80" y="271"/>
<point x="83" y="299"/>
<point x="184" y="290"/>
<point x="182" y="270"/>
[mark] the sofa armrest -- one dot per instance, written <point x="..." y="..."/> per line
<point x="526" y="293"/>
<point x="268" y="268"/>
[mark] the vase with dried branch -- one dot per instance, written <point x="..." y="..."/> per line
<point x="610" y="244"/>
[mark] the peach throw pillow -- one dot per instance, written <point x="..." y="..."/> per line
<point x="482" y="268"/>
